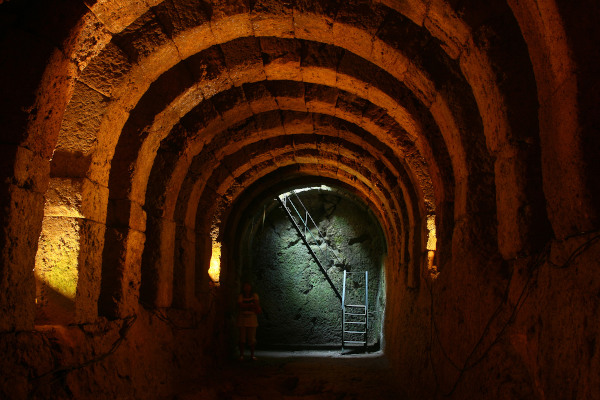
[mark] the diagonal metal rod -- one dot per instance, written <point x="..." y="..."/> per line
<point x="304" y="236"/>
<point x="319" y="234"/>
<point x="304" y="216"/>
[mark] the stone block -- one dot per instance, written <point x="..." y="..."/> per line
<point x="179" y="16"/>
<point x="297" y="123"/>
<point x="568" y="199"/>
<point x="420" y="84"/>
<point x="210" y="70"/>
<point x="232" y="105"/>
<point x="126" y="213"/>
<point x="152" y="62"/>
<point x="447" y="26"/>
<point x="57" y="269"/>
<point x="272" y="18"/>
<point x="244" y="61"/>
<point x="117" y="15"/>
<point x="121" y="274"/>
<point x="350" y="107"/>
<point x="350" y="33"/>
<point x="76" y="197"/>
<point x="319" y="63"/>
<point x="511" y="203"/>
<point x="24" y="168"/>
<point x="231" y="27"/>
<point x="156" y="287"/>
<point x="314" y="21"/>
<point x="81" y="120"/>
<point x="22" y="212"/>
<point x="162" y="95"/>
<point x="354" y="75"/>
<point x="53" y="93"/>
<point x="36" y="87"/>
<point x="320" y="94"/>
<point x="292" y="103"/>
<point x="270" y="121"/>
<point x="195" y="39"/>
<point x="111" y="127"/>
<point x="260" y="99"/>
<point x="91" y="244"/>
<point x="415" y="11"/>
<point x="184" y="268"/>
<point x="142" y="37"/>
<point x="281" y="58"/>
<point x="90" y="38"/>
<point x="389" y="58"/>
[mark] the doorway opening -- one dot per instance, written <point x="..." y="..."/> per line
<point x="300" y="307"/>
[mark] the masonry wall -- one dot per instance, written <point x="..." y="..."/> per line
<point x="133" y="134"/>
<point x="300" y="307"/>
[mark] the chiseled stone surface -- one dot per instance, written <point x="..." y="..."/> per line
<point x="135" y="133"/>
<point x="300" y="307"/>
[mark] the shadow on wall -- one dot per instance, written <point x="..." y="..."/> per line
<point x="300" y="308"/>
<point x="52" y="306"/>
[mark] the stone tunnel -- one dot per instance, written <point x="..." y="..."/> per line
<point x="142" y="143"/>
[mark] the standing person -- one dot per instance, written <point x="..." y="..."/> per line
<point x="249" y="307"/>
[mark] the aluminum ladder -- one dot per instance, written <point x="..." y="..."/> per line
<point x="355" y="309"/>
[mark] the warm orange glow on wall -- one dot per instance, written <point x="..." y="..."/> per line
<point x="431" y="246"/>
<point x="431" y="238"/>
<point x="57" y="259"/>
<point x="214" y="270"/>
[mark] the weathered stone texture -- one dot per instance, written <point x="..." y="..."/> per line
<point x="135" y="133"/>
<point x="300" y="308"/>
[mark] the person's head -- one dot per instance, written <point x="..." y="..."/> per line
<point x="247" y="288"/>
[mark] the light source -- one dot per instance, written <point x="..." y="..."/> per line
<point x="214" y="269"/>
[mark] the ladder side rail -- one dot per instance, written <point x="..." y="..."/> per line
<point x="304" y="207"/>
<point x="343" y="310"/>
<point x="319" y="233"/>
<point x="337" y="293"/>
<point x="295" y="210"/>
<point x="305" y="225"/>
<point x="309" y="216"/>
<point x="344" y="291"/>
<point x="366" y="305"/>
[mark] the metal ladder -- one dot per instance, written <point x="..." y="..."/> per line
<point x="310" y="234"/>
<point x="355" y="310"/>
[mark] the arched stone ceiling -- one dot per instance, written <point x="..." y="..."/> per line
<point x="427" y="105"/>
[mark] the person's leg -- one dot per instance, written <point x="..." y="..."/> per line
<point x="242" y="342"/>
<point x="251" y="336"/>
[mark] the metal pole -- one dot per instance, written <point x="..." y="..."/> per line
<point x="343" y="309"/>
<point x="366" y="306"/>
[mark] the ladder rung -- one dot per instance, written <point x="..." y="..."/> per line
<point x="355" y="305"/>
<point x="362" y="332"/>
<point x="363" y="314"/>
<point x="355" y="341"/>
<point x="353" y="322"/>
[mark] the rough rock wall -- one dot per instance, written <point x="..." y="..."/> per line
<point x="491" y="328"/>
<point x="147" y="356"/>
<point x="300" y="307"/>
<point x="510" y="86"/>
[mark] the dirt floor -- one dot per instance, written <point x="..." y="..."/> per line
<point x="309" y="375"/>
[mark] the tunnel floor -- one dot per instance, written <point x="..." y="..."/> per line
<point x="306" y="375"/>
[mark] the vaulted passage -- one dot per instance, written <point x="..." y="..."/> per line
<point x="450" y="148"/>
<point x="298" y="287"/>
